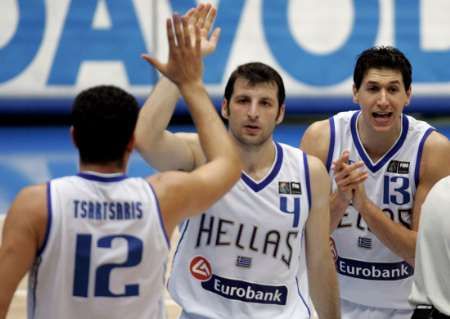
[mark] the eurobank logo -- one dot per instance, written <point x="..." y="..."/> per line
<point x="246" y="291"/>
<point x="201" y="270"/>
<point x="372" y="270"/>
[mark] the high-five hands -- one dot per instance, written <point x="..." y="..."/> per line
<point x="185" y="64"/>
<point x="203" y="17"/>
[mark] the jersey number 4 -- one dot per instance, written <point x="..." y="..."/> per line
<point x="102" y="272"/>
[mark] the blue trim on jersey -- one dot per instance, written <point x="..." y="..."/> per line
<point x="102" y="178"/>
<point x="32" y="311"/>
<point x="388" y="155"/>
<point x="301" y="297"/>
<point x="419" y="154"/>
<point x="332" y="141"/>
<point x="161" y="223"/>
<point x="276" y="168"/>
<point x="49" y="220"/>
<point x="186" y="224"/>
<point x="307" y="179"/>
<point x="32" y="287"/>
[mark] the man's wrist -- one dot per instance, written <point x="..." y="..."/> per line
<point x="340" y="200"/>
<point x="191" y="86"/>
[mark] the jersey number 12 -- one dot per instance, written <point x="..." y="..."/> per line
<point x="102" y="272"/>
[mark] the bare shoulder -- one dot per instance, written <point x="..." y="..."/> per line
<point x="193" y="141"/>
<point x="437" y="142"/>
<point x="320" y="186"/>
<point x="316" y="139"/>
<point x="435" y="157"/>
<point x="320" y="179"/>
<point x="28" y="212"/>
<point x="32" y="198"/>
<point x="316" y="166"/>
<point x="175" y="191"/>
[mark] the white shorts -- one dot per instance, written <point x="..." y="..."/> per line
<point x="352" y="310"/>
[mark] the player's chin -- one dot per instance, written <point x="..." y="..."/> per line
<point x="383" y="123"/>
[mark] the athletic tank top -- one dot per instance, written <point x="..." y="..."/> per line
<point x="432" y="272"/>
<point x="369" y="273"/>
<point x="245" y="256"/>
<point x="105" y="250"/>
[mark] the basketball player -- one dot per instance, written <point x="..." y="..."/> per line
<point x="262" y="250"/>
<point x="96" y="243"/>
<point x="375" y="209"/>
<point x="430" y="292"/>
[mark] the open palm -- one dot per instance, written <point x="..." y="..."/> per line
<point x="203" y="17"/>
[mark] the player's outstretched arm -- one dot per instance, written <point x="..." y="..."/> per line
<point x="184" y="194"/>
<point x="23" y="234"/>
<point x="162" y="149"/>
<point x="321" y="271"/>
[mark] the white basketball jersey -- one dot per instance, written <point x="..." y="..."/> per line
<point x="369" y="273"/>
<point x="432" y="272"/>
<point x="245" y="257"/>
<point x="105" y="251"/>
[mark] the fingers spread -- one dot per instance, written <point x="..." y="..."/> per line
<point x="186" y="33"/>
<point x="215" y="37"/>
<point x="170" y="35"/>
<point x="209" y="20"/>
<point x="178" y="32"/>
<point x="153" y="61"/>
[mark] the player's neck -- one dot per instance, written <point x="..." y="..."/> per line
<point x="102" y="168"/>
<point x="377" y="143"/>
<point x="258" y="160"/>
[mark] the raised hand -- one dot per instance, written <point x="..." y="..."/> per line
<point x="184" y="63"/>
<point x="185" y="59"/>
<point x="203" y="17"/>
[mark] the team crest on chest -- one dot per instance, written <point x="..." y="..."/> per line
<point x="289" y="188"/>
<point x="399" y="167"/>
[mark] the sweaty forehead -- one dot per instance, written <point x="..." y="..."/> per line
<point x="383" y="76"/>
<point x="243" y="86"/>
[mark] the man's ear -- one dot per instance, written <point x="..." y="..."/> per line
<point x="72" y="135"/>
<point x="130" y="146"/>
<point x="281" y="112"/>
<point x="225" y="109"/>
<point x="408" y="94"/>
<point x="355" y="95"/>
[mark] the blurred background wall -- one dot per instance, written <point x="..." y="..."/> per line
<point x="51" y="49"/>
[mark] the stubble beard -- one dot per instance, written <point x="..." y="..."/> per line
<point x="250" y="144"/>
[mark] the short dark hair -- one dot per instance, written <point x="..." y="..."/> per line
<point x="382" y="57"/>
<point x="256" y="73"/>
<point x="103" y="118"/>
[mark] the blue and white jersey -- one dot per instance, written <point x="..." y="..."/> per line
<point x="105" y="251"/>
<point x="369" y="273"/>
<point x="245" y="256"/>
